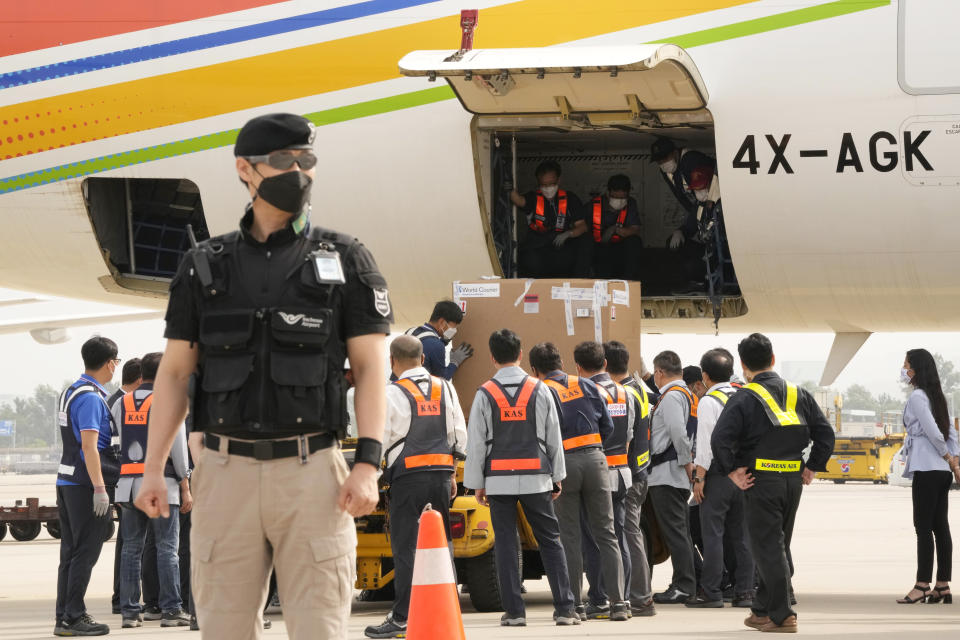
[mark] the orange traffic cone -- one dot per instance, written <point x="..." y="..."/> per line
<point x="434" y="605"/>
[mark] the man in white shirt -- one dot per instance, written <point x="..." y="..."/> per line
<point x="424" y="436"/>
<point x="721" y="501"/>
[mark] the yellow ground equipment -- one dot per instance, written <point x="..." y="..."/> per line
<point x="862" y="459"/>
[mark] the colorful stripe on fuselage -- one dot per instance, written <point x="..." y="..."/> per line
<point x="192" y="94"/>
<point x="52" y="23"/>
<point x="403" y="101"/>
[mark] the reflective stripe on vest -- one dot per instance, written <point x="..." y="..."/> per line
<point x="429" y="460"/>
<point x="643" y="458"/>
<point x="515" y="464"/>
<point x="425" y="407"/>
<point x="134" y="416"/>
<point x="788" y="466"/>
<point x="619" y="460"/>
<point x="787" y="416"/>
<point x="598" y="221"/>
<point x="642" y="398"/>
<point x="567" y="393"/>
<point x="537" y="223"/>
<point x="582" y="441"/>
<point x="719" y="395"/>
<point x="516" y="412"/>
<point x="132" y="469"/>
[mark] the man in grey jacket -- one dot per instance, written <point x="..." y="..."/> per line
<point x="671" y="469"/>
<point x="132" y="413"/>
<point x="514" y="455"/>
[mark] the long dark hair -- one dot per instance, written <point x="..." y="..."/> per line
<point x="926" y="378"/>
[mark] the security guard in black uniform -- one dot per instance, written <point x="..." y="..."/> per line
<point x="266" y="315"/>
<point x="758" y="442"/>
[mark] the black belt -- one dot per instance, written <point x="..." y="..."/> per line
<point x="269" y="449"/>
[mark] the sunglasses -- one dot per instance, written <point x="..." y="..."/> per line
<point x="283" y="160"/>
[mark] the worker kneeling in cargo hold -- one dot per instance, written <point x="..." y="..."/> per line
<point x="556" y="245"/>
<point x="424" y="434"/>
<point x="758" y="442"/>
<point x="615" y="229"/>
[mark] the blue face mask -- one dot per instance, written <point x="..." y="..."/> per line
<point x="905" y="376"/>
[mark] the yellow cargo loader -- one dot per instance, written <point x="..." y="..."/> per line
<point x="862" y="459"/>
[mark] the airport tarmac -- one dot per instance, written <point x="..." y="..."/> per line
<point x="854" y="548"/>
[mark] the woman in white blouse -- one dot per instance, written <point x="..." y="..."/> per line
<point x="931" y="449"/>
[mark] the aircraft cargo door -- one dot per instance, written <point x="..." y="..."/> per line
<point x="596" y="111"/>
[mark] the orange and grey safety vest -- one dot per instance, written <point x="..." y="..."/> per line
<point x="538" y="223"/>
<point x="615" y="446"/>
<point x="133" y="434"/>
<point x="578" y="431"/>
<point x="425" y="447"/>
<point x="598" y="221"/>
<point x="670" y="453"/>
<point x="514" y="446"/>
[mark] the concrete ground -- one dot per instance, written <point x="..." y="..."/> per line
<point x="854" y="548"/>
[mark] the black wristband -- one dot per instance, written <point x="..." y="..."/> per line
<point x="369" y="451"/>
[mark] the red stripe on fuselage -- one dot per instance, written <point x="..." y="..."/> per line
<point x="51" y="23"/>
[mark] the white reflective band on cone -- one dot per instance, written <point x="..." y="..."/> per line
<point x="433" y="566"/>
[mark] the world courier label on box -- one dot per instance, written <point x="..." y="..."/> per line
<point x="568" y="312"/>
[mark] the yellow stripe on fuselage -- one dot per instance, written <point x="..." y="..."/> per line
<point x="182" y="96"/>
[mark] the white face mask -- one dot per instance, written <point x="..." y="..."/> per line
<point x="669" y="166"/>
<point x="905" y="376"/>
<point x="701" y="194"/>
<point x="549" y="192"/>
<point x="449" y="333"/>
<point x="617" y="203"/>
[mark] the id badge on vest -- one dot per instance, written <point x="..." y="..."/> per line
<point x="327" y="267"/>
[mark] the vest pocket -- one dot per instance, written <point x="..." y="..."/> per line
<point x="301" y="330"/>
<point x="223" y="380"/>
<point x="299" y="379"/>
<point x="226" y="330"/>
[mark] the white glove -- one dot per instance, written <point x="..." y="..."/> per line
<point x="561" y="239"/>
<point x="677" y="239"/>
<point x="644" y="372"/>
<point x="101" y="501"/>
<point x="609" y="232"/>
<point x="461" y="353"/>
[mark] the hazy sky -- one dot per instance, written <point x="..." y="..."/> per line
<point x="28" y="363"/>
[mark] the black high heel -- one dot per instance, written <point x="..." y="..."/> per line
<point x="940" y="596"/>
<point x="924" y="591"/>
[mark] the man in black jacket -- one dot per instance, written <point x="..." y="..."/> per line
<point x="758" y="443"/>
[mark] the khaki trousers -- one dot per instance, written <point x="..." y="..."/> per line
<point x="251" y="515"/>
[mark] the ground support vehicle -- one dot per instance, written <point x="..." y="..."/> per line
<point x="862" y="459"/>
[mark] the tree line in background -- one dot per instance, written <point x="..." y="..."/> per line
<point x="36" y="416"/>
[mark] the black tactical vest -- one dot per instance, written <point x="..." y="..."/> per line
<point x="275" y="369"/>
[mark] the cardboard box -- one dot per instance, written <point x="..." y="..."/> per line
<point x="564" y="312"/>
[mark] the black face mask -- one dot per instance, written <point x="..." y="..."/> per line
<point x="288" y="191"/>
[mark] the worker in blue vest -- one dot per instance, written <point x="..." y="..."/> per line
<point x="639" y="591"/>
<point x="585" y="424"/>
<point x="627" y="417"/>
<point x="436" y="335"/>
<point x="554" y="243"/>
<point x="133" y="415"/>
<point x="85" y="482"/>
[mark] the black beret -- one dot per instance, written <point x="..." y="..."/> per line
<point x="274" y="131"/>
<point x="661" y="148"/>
